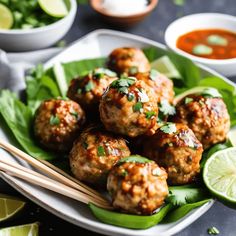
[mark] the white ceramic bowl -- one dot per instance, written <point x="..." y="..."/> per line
<point x="33" y="39"/>
<point x="189" y="23"/>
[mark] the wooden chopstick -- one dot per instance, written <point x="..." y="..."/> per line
<point x="45" y="182"/>
<point x="62" y="178"/>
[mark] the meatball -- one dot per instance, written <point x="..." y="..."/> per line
<point x="128" y="60"/>
<point x="175" y="147"/>
<point x="161" y="85"/>
<point x="138" y="188"/>
<point x="57" y="123"/>
<point x="94" y="153"/>
<point x="129" y="107"/>
<point x="206" y="116"/>
<point x="88" y="90"/>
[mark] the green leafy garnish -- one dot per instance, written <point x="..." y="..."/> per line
<point x="101" y="151"/>
<point x="137" y="106"/>
<point x="213" y="231"/>
<point x="166" y="108"/>
<point x="201" y="49"/>
<point x="123" y="84"/>
<point x="75" y="114"/>
<point x="54" y="120"/>
<point x="211" y="92"/>
<point x="169" y="128"/>
<point x="19" y="119"/>
<point x="150" y="114"/>
<point x="134" y="158"/>
<point x="89" y="86"/>
<point x="153" y="74"/>
<point x="215" y="39"/>
<point x="181" y="195"/>
<point x="188" y="100"/>
<point x="130" y="97"/>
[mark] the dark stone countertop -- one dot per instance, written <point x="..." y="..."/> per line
<point x="153" y="28"/>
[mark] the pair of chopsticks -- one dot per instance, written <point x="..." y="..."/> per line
<point x="56" y="180"/>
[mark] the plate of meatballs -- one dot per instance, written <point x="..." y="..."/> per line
<point x="123" y="131"/>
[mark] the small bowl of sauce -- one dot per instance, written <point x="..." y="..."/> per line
<point x="207" y="38"/>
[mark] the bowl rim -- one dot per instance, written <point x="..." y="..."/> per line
<point x="207" y="61"/>
<point x="152" y="4"/>
<point x="71" y="13"/>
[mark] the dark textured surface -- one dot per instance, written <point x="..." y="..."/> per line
<point x="152" y="27"/>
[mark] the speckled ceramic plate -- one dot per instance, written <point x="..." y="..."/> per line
<point x="96" y="44"/>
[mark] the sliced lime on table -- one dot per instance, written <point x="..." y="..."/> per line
<point x="9" y="206"/>
<point x="232" y="137"/>
<point x="165" y="66"/>
<point x="6" y="17"/>
<point x="219" y="175"/>
<point x="55" y="8"/>
<point x="21" y="230"/>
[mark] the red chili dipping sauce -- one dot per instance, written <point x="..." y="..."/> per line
<point x="209" y="43"/>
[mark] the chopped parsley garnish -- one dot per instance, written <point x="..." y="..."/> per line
<point x="153" y="74"/>
<point x="166" y="108"/>
<point x="211" y="92"/>
<point x="133" y="70"/>
<point x="130" y="97"/>
<point x="169" y="128"/>
<point x="187" y="100"/>
<point x="101" y="151"/>
<point x="123" y="83"/>
<point x="150" y="114"/>
<point x="54" y="120"/>
<point x="74" y="113"/>
<point x="213" y="231"/>
<point x="85" y="145"/>
<point x="137" y="107"/>
<point x="89" y="86"/>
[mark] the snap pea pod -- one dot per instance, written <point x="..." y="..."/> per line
<point x="183" y="210"/>
<point x="127" y="220"/>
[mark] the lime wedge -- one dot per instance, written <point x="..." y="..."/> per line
<point x="21" y="230"/>
<point x="55" y="8"/>
<point x="232" y="137"/>
<point x="9" y="206"/>
<point x="165" y="66"/>
<point x="219" y="175"/>
<point x="6" y="17"/>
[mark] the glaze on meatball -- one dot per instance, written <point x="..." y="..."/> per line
<point x="129" y="107"/>
<point x="137" y="188"/>
<point x="57" y="123"/>
<point x="128" y="60"/>
<point x="206" y="116"/>
<point x="161" y="85"/>
<point x="88" y="90"/>
<point x="94" y="153"/>
<point x="176" y="148"/>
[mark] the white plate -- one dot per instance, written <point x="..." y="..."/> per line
<point x="96" y="44"/>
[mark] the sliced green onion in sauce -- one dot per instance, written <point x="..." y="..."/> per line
<point x="201" y="49"/>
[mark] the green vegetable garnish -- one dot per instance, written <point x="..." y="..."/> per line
<point x="187" y="100"/>
<point x="169" y="128"/>
<point x="134" y="158"/>
<point x="213" y="231"/>
<point x="202" y="49"/>
<point x="74" y="113"/>
<point x="123" y="83"/>
<point x="150" y="114"/>
<point x="89" y="86"/>
<point x="138" y="106"/>
<point x="54" y="120"/>
<point x="166" y="108"/>
<point x="101" y="151"/>
<point x="130" y="96"/>
<point x="215" y="39"/>
<point x="85" y="145"/>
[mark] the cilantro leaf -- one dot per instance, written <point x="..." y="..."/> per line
<point x="166" y="108"/>
<point x="150" y="114"/>
<point x="54" y="120"/>
<point x="180" y="195"/>
<point x="169" y="128"/>
<point x="101" y="151"/>
<point x="137" y="107"/>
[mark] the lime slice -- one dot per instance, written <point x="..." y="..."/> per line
<point x="9" y="206"/>
<point x="55" y="8"/>
<point x="21" y="230"/>
<point x="219" y="175"/>
<point x="165" y="66"/>
<point x="6" y="17"/>
<point x="232" y="137"/>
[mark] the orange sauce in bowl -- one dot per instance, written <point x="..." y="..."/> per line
<point x="209" y="43"/>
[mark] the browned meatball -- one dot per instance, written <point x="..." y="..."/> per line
<point x="88" y="90"/>
<point x="206" y="116"/>
<point x="57" y="123"/>
<point x="138" y="188"/>
<point x="161" y="85"/>
<point x="129" y="107"/>
<point x="94" y="153"/>
<point x="175" y="147"/>
<point x="128" y="60"/>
